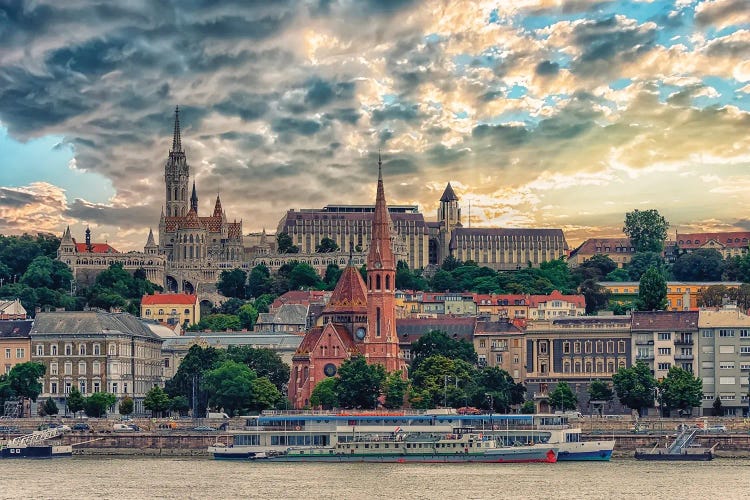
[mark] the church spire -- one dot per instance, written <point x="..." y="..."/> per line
<point x="217" y="207"/>
<point x="380" y="247"/>
<point x="194" y="200"/>
<point x="176" y="140"/>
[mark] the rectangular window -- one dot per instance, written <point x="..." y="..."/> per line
<point x="726" y="349"/>
<point x="744" y="334"/>
<point x="707" y="334"/>
<point x="53" y="369"/>
<point x="665" y="351"/>
<point x="664" y="366"/>
<point x="67" y="387"/>
<point x="726" y="365"/>
<point x="20" y="353"/>
<point x="53" y="387"/>
<point x="708" y="381"/>
<point x="7" y="353"/>
<point x="68" y="368"/>
<point x="499" y="359"/>
<point x="96" y="386"/>
<point x="665" y="336"/>
<point x="588" y="347"/>
<point x="727" y="397"/>
<point x="577" y="347"/>
<point x="610" y="347"/>
<point x="621" y="346"/>
<point x="566" y="347"/>
<point x="707" y="365"/>
<point x="482" y="343"/>
<point x="81" y="349"/>
<point x="726" y="333"/>
<point x="727" y="380"/>
<point x="40" y="350"/>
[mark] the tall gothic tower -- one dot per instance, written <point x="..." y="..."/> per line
<point x="381" y="343"/>
<point x="177" y="174"/>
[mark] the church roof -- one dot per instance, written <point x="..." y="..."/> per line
<point x="150" y="241"/>
<point x="380" y="245"/>
<point x="95" y="248"/>
<point x="350" y="293"/>
<point x="312" y="337"/>
<point x="448" y="194"/>
<point x="191" y="221"/>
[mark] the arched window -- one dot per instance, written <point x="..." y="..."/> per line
<point x="377" y="282"/>
<point x="387" y="282"/>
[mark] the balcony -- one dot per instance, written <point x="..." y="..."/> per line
<point x="683" y="342"/>
<point x="644" y="357"/>
<point x="644" y="342"/>
<point x="541" y="395"/>
<point x="499" y="349"/>
<point x="683" y="357"/>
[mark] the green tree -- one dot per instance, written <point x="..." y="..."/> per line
<point x="261" y="303"/>
<point x="640" y="262"/>
<point x="264" y="362"/>
<point x="327" y="245"/>
<point x="359" y="383"/>
<point x="718" y="407"/>
<point x="304" y="276"/>
<point x="284" y="244"/>
<point x="97" y="404"/>
<point x="496" y="387"/>
<point x="647" y="230"/>
<point x="406" y="279"/>
<point x="126" y="406"/>
<point x="562" y="397"/>
<point x="230" y="306"/>
<point x="75" y="401"/>
<point x="450" y="263"/>
<point x="441" y="381"/>
<point x="217" y="323"/>
<point x="332" y="275"/>
<point x="443" y="281"/>
<point x="45" y="272"/>
<point x="703" y="264"/>
<point x="713" y="296"/>
<point x="394" y="389"/>
<point x="325" y="394"/>
<point x="189" y="376"/>
<point x="652" y="291"/>
<point x="596" y="296"/>
<point x="156" y="401"/>
<point x="259" y="281"/>
<point x="265" y="395"/>
<point x="528" y="408"/>
<point x="232" y="283"/>
<point x="50" y="407"/>
<point x="599" y="393"/>
<point x="247" y="315"/>
<point x="24" y="379"/>
<point x="618" y="274"/>
<point x="180" y="404"/>
<point x="635" y="386"/>
<point x="438" y="342"/>
<point x="230" y="386"/>
<point x="680" y="390"/>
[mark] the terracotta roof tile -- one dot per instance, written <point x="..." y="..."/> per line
<point x="169" y="298"/>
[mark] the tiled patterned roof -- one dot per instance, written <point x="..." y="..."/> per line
<point x="733" y="239"/>
<point x="95" y="248"/>
<point x="350" y="294"/>
<point x="536" y="300"/>
<point x="313" y="336"/>
<point x="604" y="245"/>
<point x="169" y="298"/>
<point x="664" y="320"/>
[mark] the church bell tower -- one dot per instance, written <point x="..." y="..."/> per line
<point x="177" y="174"/>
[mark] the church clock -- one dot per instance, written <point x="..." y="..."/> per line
<point x="360" y="333"/>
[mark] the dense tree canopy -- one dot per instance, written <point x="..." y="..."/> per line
<point x="438" y="342"/>
<point x="284" y="244"/>
<point x="232" y="283"/>
<point x="635" y="386"/>
<point x="680" y="390"/>
<point x="703" y="264"/>
<point x="359" y="384"/>
<point x="327" y="245"/>
<point x="97" y="404"/>
<point x="652" y="291"/>
<point x="156" y="401"/>
<point x="647" y="230"/>
<point x="562" y="398"/>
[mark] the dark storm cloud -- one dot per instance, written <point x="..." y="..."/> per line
<point x="321" y="92"/>
<point x="296" y="126"/>
<point x="245" y="105"/>
<point x="511" y="135"/>
<point x="491" y="96"/>
<point x="605" y="43"/>
<point x="403" y="112"/>
<point x="347" y="115"/>
<point x="13" y="198"/>
<point x="547" y="68"/>
<point x="441" y="155"/>
<point x="240" y="27"/>
<point x="721" y="11"/>
<point x="136" y="216"/>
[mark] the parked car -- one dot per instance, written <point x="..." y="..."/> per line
<point x="53" y="425"/>
<point x="203" y="428"/>
<point x="125" y="427"/>
<point x="716" y="428"/>
<point x="81" y="426"/>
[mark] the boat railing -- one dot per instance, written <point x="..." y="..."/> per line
<point x="36" y="437"/>
<point x="683" y="440"/>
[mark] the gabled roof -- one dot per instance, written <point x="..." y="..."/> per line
<point x="286" y="314"/>
<point x="664" y="320"/>
<point x="730" y="239"/>
<point x="88" y="322"/>
<point x="599" y="245"/>
<point x="577" y="300"/>
<point x="489" y="327"/>
<point x="312" y="337"/>
<point x="169" y="298"/>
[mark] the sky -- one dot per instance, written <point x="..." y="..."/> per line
<point x="541" y="113"/>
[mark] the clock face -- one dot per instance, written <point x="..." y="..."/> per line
<point x="360" y="333"/>
<point x="329" y="370"/>
<point x="378" y="265"/>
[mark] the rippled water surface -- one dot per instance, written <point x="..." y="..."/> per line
<point x="179" y="478"/>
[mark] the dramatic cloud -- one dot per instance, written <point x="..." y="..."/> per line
<point x="542" y="113"/>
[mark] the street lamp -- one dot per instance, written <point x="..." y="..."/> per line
<point x="489" y="396"/>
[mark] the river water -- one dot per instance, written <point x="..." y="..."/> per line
<point x="181" y="478"/>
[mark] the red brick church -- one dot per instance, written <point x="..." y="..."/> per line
<point x="359" y="319"/>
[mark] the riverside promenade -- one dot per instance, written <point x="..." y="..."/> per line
<point x="161" y="437"/>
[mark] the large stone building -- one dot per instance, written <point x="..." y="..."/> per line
<point x="359" y="319"/>
<point x="96" y="352"/>
<point x="662" y="339"/>
<point x="620" y="250"/>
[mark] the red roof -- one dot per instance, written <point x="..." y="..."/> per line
<point x="731" y="239"/>
<point x="312" y="337"/>
<point x="578" y="300"/>
<point x="95" y="248"/>
<point x="350" y="294"/>
<point x="169" y="298"/>
<point x="302" y="297"/>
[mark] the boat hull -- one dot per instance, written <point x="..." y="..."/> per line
<point x="597" y="451"/>
<point x="704" y="456"/>
<point x="43" y="451"/>
<point x="423" y="459"/>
